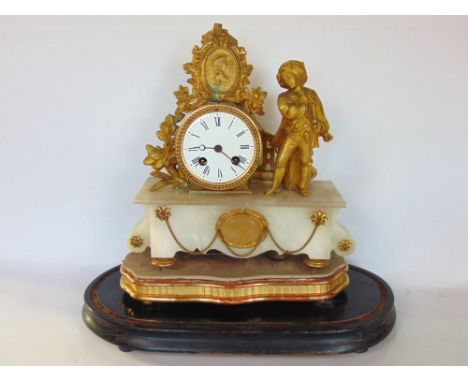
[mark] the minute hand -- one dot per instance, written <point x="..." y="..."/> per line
<point x="230" y="158"/>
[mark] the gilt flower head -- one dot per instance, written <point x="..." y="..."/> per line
<point x="319" y="218"/>
<point x="163" y="213"/>
<point x="345" y="245"/>
<point x="255" y="101"/>
<point x="136" y="241"/>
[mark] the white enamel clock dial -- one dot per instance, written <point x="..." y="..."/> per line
<point x="218" y="146"/>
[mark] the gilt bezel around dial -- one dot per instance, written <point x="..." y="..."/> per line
<point x="236" y="113"/>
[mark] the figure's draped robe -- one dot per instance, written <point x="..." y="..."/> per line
<point x="309" y="127"/>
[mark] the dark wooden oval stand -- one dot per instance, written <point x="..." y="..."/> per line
<point x="353" y="321"/>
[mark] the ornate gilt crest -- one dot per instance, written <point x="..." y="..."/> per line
<point x="219" y="73"/>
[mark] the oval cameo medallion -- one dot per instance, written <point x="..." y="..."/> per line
<point x="242" y="228"/>
<point x="221" y="71"/>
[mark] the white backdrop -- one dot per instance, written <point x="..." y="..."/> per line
<point x="80" y="97"/>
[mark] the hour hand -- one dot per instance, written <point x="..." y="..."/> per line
<point x="201" y="148"/>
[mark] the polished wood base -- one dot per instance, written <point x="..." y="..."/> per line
<point x="353" y="321"/>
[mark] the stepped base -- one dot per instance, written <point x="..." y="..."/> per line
<point x="218" y="278"/>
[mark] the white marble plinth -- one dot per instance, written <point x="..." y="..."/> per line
<point x="194" y="216"/>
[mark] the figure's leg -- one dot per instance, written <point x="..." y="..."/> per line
<point x="284" y="156"/>
<point x="293" y="172"/>
<point x="306" y="167"/>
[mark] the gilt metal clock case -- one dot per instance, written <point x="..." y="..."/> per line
<point x="218" y="146"/>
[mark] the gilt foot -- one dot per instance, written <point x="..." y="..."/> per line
<point x="272" y="191"/>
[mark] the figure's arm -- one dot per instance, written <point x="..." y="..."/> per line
<point x="321" y="118"/>
<point x="290" y="109"/>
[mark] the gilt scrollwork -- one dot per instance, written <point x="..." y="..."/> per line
<point x="218" y="73"/>
<point x="165" y="157"/>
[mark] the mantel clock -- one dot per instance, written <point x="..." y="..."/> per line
<point x="233" y="219"/>
<point x="219" y="175"/>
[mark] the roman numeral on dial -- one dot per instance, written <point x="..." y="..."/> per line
<point x="204" y="124"/>
<point x="210" y="141"/>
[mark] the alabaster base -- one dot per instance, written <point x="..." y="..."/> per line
<point x="241" y="225"/>
<point x="217" y="278"/>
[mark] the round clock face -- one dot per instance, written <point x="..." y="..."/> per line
<point x="218" y="146"/>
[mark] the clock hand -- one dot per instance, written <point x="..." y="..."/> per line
<point x="202" y="147"/>
<point x="219" y="149"/>
<point x="227" y="156"/>
<point x="236" y="163"/>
